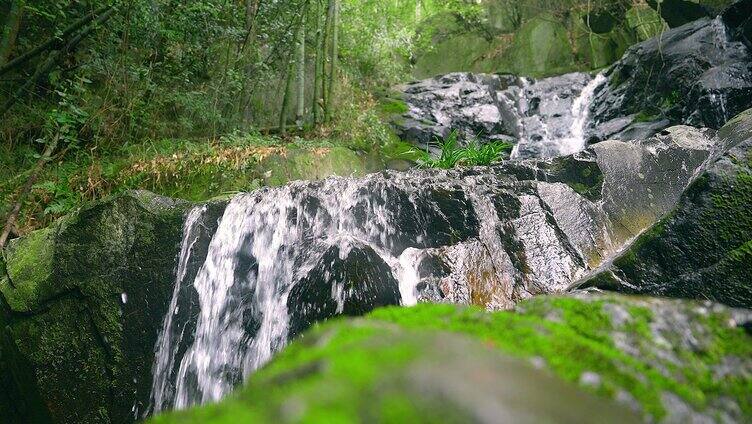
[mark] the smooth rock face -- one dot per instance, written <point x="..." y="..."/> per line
<point x="283" y="258"/>
<point x="699" y="74"/>
<point x="81" y="303"/>
<point x="703" y="248"/>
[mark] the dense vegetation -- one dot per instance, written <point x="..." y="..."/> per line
<point x="101" y="85"/>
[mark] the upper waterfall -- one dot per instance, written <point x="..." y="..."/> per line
<point x="542" y="118"/>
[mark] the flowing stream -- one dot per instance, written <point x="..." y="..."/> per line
<point x="268" y="241"/>
<point x="552" y="114"/>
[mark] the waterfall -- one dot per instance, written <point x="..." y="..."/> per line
<point x="552" y="115"/>
<point x="172" y="332"/>
<point x="267" y="241"/>
<point x="277" y="247"/>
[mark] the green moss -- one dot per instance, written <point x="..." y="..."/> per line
<point x="573" y="337"/>
<point x="327" y="375"/>
<point x="29" y="270"/>
<point x="540" y="48"/>
<point x="644" y="116"/>
<point x="393" y="107"/>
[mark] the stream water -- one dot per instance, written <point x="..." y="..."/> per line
<point x="267" y="241"/>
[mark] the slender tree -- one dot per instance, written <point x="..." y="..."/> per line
<point x="300" y="66"/>
<point x="333" y="17"/>
<point x="10" y="32"/>
<point x="319" y="64"/>
<point x="286" y="99"/>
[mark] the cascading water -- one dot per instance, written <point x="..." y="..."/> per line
<point x="230" y="314"/>
<point x="265" y="243"/>
<point x="552" y="115"/>
<point x="283" y="258"/>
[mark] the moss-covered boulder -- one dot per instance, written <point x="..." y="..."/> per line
<point x="703" y="249"/>
<point x="664" y="361"/>
<point x="540" y="48"/>
<point x="82" y="302"/>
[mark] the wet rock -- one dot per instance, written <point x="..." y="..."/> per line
<point x="544" y="117"/>
<point x="703" y="248"/>
<point x="739" y="21"/>
<point x="460" y="102"/>
<point x="81" y="306"/>
<point x="699" y="74"/>
<point x="345" y="282"/>
<point x="680" y="12"/>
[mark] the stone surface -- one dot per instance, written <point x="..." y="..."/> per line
<point x="349" y="282"/>
<point x="539" y="115"/>
<point x="652" y="357"/>
<point x="699" y="74"/>
<point x="703" y="248"/>
<point x="574" y="213"/>
<point x="81" y="305"/>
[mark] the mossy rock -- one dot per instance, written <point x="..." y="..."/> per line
<point x="82" y="302"/>
<point x="645" y="22"/>
<point x="453" y="48"/>
<point x="659" y="359"/>
<point x="702" y="248"/>
<point x="540" y="48"/>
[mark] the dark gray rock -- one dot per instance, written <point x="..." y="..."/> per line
<point x="352" y="282"/>
<point x="703" y="248"/>
<point x="698" y="74"/>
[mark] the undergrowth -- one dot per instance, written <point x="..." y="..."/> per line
<point x="453" y="154"/>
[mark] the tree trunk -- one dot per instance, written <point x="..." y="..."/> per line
<point x="251" y="10"/>
<point x="319" y="65"/>
<point x="12" y="25"/>
<point x="13" y="216"/>
<point x="300" y="65"/>
<point x="334" y="6"/>
<point x="286" y="100"/>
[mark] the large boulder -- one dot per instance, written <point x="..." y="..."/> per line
<point x="703" y="248"/>
<point x="81" y="303"/>
<point x="539" y="48"/>
<point x="657" y="360"/>
<point x="572" y="215"/>
<point x="699" y="74"/>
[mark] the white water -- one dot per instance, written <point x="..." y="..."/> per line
<point x="269" y="240"/>
<point x="168" y="343"/>
<point x="265" y="242"/>
<point x="553" y="131"/>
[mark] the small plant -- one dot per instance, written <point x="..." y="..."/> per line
<point x="475" y="154"/>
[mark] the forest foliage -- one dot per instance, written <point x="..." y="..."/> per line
<point x="92" y="81"/>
